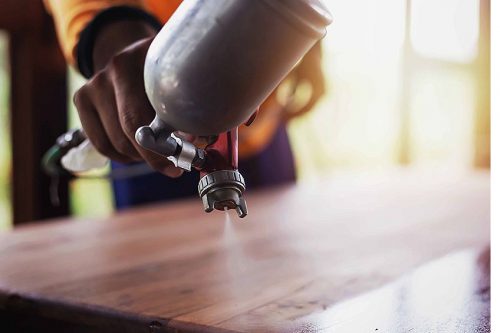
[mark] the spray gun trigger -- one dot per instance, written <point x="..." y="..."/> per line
<point x="156" y="142"/>
<point x="181" y="153"/>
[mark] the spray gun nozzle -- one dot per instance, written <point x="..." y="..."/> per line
<point x="222" y="190"/>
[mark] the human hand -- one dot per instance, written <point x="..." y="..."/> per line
<point x="113" y="104"/>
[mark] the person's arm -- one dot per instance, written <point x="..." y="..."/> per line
<point x="308" y="71"/>
<point x="72" y="16"/>
<point x="110" y="49"/>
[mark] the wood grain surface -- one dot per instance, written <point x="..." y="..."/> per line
<point x="302" y="253"/>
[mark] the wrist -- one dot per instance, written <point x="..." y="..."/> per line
<point x="112" y="39"/>
<point x="109" y="32"/>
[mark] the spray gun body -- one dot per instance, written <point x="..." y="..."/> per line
<point x="207" y="72"/>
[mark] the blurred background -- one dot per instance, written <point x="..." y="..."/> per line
<point x="407" y="86"/>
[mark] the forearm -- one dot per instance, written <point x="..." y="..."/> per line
<point x="72" y="16"/>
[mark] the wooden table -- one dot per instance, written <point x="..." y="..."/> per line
<point x="340" y="254"/>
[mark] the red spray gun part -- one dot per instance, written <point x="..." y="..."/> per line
<point x="221" y="186"/>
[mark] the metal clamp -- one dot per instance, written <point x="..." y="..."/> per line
<point x="184" y="159"/>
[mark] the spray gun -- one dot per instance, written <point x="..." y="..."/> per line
<point x="221" y="186"/>
<point x="206" y="73"/>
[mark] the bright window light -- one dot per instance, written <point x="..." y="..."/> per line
<point x="445" y="29"/>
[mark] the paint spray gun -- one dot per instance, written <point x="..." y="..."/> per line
<point x="206" y="73"/>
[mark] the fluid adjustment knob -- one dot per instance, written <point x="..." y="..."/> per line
<point x="223" y="189"/>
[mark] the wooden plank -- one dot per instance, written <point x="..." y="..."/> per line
<point x="38" y="112"/>
<point x="302" y="251"/>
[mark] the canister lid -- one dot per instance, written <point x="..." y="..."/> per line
<point x="310" y="15"/>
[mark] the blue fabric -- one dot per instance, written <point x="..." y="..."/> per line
<point x="273" y="166"/>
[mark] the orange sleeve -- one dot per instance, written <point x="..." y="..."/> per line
<point x="72" y="16"/>
<point x="163" y="9"/>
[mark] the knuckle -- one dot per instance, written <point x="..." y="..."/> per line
<point x="119" y="61"/>
<point x="99" y="80"/>
<point x="126" y="60"/>
<point x="80" y="97"/>
<point x="124" y="147"/>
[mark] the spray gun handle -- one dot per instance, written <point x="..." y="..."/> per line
<point x="76" y="152"/>
<point x="83" y="158"/>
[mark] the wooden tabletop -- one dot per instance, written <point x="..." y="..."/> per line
<point x="325" y="255"/>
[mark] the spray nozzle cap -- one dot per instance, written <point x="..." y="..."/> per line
<point x="223" y="189"/>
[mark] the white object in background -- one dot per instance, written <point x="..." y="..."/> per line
<point x="83" y="158"/>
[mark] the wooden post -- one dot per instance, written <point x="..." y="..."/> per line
<point x="38" y="100"/>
